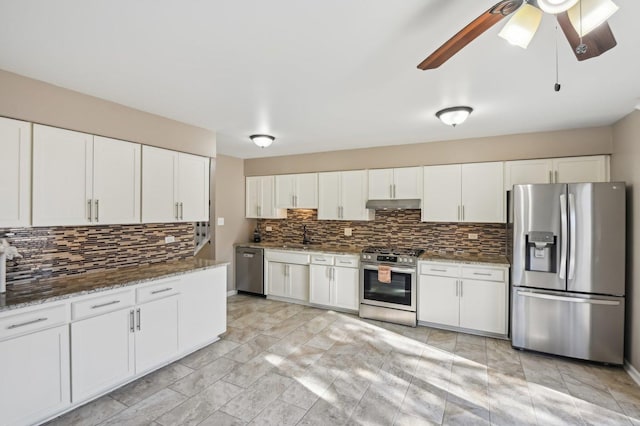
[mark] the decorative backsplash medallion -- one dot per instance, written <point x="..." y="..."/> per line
<point x="61" y="251"/>
<point x="400" y="228"/>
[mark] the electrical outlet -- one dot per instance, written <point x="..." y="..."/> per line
<point x="473" y="236"/>
<point x="348" y="232"/>
<point x="170" y="239"/>
<point x="269" y="228"/>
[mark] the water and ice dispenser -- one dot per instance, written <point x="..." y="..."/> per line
<point x="542" y="251"/>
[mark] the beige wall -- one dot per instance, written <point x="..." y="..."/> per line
<point x="566" y="143"/>
<point x="625" y="163"/>
<point x="32" y="100"/>
<point x="229" y="202"/>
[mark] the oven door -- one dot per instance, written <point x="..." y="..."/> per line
<point x="400" y="293"/>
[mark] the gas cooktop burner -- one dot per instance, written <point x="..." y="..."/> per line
<point x="394" y="251"/>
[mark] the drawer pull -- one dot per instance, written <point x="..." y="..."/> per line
<point x="12" y="326"/>
<point x="438" y="270"/>
<point x="344" y="262"/>
<point x="102" y="305"/>
<point x="320" y="259"/>
<point x="162" y="291"/>
<point x="483" y="274"/>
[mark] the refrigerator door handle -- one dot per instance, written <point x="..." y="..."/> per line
<point x="572" y="235"/>
<point x="563" y="236"/>
<point x="569" y="299"/>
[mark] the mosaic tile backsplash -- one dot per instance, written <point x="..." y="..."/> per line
<point x="61" y="251"/>
<point x="401" y="228"/>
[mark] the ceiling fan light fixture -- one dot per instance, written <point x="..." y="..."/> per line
<point x="454" y="115"/>
<point x="263" y="141"/>
<point x="556" y="6"/>
<point x="522" y="26"/>
<point x="594" y="13"/>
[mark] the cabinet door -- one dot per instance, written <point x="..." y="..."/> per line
<point x="159" y="201"/>
<point x="285" y="188"/>
<point x="408" y="182"/>
<point x="527" y="171"/>
<point x="203" y="309"/>
<point x="380" y="184"/>
<point x="320" y="285"/>
<point x="193" y="188"/>
<point x="116" y="181"/>
<point x="35" y="376"/>
<point x="483" y="194"/>
<point x="346" y="288"/>
<point x="276" y="274"/>
<point x="62" y="177"/>
<point x="483" y="306"/>
<point x="442" y="186"/>
<point x="298" y="277"/>
<point x="329" y="196"/>
<point x="268" y="208"/>
<point x="156" y="333"/>
<point x="253" y="195"/>
<point x="581" y="169"/>
<point x="102" y="353"/>
<point x="15" y="163"/>
<point x="354" y="196"/>
<point x="306" y="192"/>
<point x="438" y="300"/>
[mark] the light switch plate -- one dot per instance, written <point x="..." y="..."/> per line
<point x="269" y="228"/>
<point x="220" y="221"/>
<point x="169" y="239"/>
<point x="348" y="232"/>
<point x="473" y="236"/>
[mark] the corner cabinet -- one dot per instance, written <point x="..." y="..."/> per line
<point x="297" y="191"/>
<point x="472" y="298"/>
<point x="400" y="183"/>
<point x="343" y="196"/>
<point x="557" y="170"/>
<point x="15" y="163"/>
<point x="260" y="199"/>
<point x="81" y="179"/>
<point x="175" y="186"/>
<point x="464" y="193"/>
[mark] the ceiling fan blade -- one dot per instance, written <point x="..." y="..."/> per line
<point x="469" y="33"/>
<point x="596" y="42"/>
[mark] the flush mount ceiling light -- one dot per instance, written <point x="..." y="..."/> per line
<point x="263" y="141"/>
<point x="454" y="115"/>
<point x="556" y="6"/>
<point x="522" y="26"/>
<point x="587" y="15"/>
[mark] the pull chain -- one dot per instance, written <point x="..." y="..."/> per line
<point x="557" y="86"/>
<point x="582" y="48"/>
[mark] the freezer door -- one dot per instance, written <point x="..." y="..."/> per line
<point x="596" y="260"/>
<point x="568" y="324"/>
<point x="538" y="216"/>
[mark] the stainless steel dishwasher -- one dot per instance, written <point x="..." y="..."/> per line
<point x="250" y="270"/>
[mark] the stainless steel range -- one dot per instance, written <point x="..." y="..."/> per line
<point x="388" y="284"/>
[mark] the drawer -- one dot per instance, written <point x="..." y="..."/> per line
<point x="28" y="322"/>
<point x="322" y="259"/>
<point x="102" y="304"/>
<point x="485" y="274"/>
<point x="348" y="261"/>
<point x="440" y="269"/>
<point x="287" y="257"/>
<point x="157" y="290"/>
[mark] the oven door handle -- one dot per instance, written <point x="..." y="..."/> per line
<point x="393" y="269"/>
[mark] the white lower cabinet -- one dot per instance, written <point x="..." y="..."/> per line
<point x="287" y="274"/>
<point x="473" y="298"/>
<point x="334" y="286"/>
<point x="34" y="376"/>
<point x="156" y="333"/>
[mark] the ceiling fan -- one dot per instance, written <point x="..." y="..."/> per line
<point x="584" y="23"/>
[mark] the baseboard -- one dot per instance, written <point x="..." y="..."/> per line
<point x="232" y="293"/>
<point x="635" y="375"/>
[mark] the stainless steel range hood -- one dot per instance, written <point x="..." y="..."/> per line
<point x="409" y="203"/>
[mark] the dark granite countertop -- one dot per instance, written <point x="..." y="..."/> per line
<point x="51" y="289"/>
<point x="465" y="258"/>
<point x="311" y="248"/>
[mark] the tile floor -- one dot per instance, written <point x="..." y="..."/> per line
<point x="284" y="364"/>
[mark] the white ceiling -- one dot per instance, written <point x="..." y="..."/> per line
<point x="318" y="75"/>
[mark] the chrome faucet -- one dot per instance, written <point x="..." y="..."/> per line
<point x="305" y="237"/>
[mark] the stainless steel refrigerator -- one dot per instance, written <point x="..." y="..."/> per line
<point x="568" y="269"/>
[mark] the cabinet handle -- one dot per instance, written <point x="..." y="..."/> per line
<point x="176" y="211"/>
<point x="22" y="324"/>
<point x="461" y="287"/>
<point x="482" y="274"/>
<point x="102" y="305"/>
<point x="90" y="214"/>
<point x="390" y="191"/>
<point x="162" y="291"/>
<point x="550" y="176"/>
<point x="394" y="190"/>
<point x="463" y="212"/>
<point x="97" y="210"/>
<point x="181" y="211"/>
<point x="458" y="211"/>
<point x="556" y="176"/>
<point x="132" y="322"/>
<point x="438" y="270"/>
<point x="259" y="211"/>
<point x="139" y="316"/>
<point x="344" y="262"/>
<point x="457" y="282"/>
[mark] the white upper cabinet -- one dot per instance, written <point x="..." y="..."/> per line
<point x="463" y="193"/>
<point x="260" y="198"/>
<point x="343" y="196"/>
<point x="15" y="163"/>
<point x="175" y="186"/>
<point x="557" y="170"/>
<point x="297" y="191"/>
<point x="400" y="183"/>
